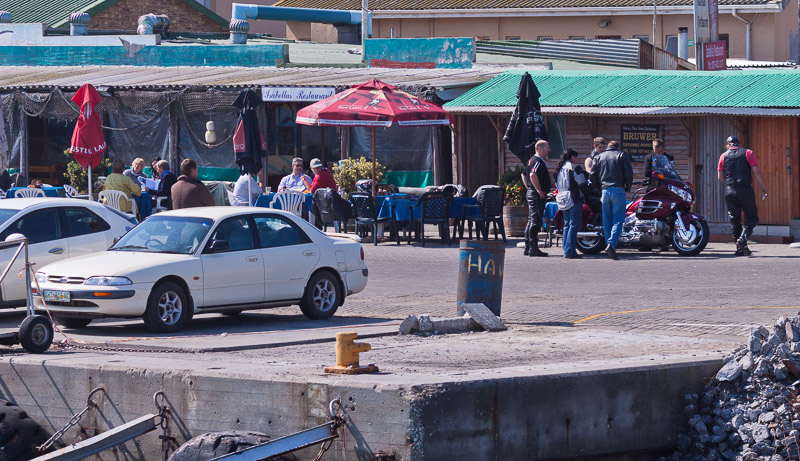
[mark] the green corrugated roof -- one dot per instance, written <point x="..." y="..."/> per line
<point x="55" y="13"/>
<point x="643" y="88"/>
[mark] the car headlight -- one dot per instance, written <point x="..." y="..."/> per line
<point x="108" y="281"/>
<point x="686" y="196"/>
<point x="41" y="277"/>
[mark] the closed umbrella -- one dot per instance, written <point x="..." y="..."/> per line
<point x="87" y="143"/>
<point x="373" y="104"/>
<point x="527" y="123"/>
<point x="248" y="142"/>
<point x="3" y="143"/>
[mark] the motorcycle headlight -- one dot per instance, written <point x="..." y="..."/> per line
<point x="686" y="196"/>
<point x="108" y="281"/>
<point x="41" y="277"/>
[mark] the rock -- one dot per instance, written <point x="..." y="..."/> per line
<point x="409" y="325"/>
<point x="767" y="417"/>
<point x="747" y="361"/>
<point x="760" y="433"/>
<point x="700" y="427"/>
<point x="484" y="317"/>
<point x="737" y="422"/>
<point x="456" y="325"/>
<point x="763" y="449"/>
<point x="791" y="332"/>
<point x="729" y="372"/>
<point x="683" y="442"/>
<point x="753" y="415"/>
<point x="782" y="351"/>
<point x="781" y="321"/>
<point x="425" y="323"/>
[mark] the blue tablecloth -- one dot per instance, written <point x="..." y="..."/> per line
<point x="144" y="203"/>
<point x="402" y="211"/>
<point x="48" y="191"/>
<point x="265" y="200"/>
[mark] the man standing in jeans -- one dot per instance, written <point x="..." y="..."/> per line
<point x="537" y="180"/>
<point x="612" y="171"/>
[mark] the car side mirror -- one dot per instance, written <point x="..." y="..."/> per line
<point x="218" y="245"/>
<point x="116" y="239"/>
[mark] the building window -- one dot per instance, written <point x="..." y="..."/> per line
<point x="512" y="37"/>
<point x="556" y="135"/>
<point x="544" y="38"/>
<point x="608" y="37"/>
<point x="576" y="37"/>
<point x="724" y="38"/>
<point x="644" y="38"/>
<point x="672" y="44"/>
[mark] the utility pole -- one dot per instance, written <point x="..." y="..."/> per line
<point x="364" y="21"/>
<point x="654" y="23"/>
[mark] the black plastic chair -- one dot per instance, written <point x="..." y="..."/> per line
<point x="435" y="209"/>
<point x="490" y="211"/>
<point x="366" y="214"/>
<point x="326" y="210"/>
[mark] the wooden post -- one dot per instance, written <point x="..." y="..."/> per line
<point x="172" y="154"/>
<point x="374" y="161"/>
<point x="23" y="147"/>
<point x="344" y="143"/>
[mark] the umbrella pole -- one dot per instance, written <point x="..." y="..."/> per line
<point x="89" y="171"/>
<point x="374" y="183"/>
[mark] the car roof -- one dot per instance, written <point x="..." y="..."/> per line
<point x="220" y="212"/>
<point x="23" y="203"/>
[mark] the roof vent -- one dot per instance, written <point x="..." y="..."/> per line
<point x="153" y="24"/>
<point x="239" y="29"/>
<point x="79" y="23"/>
<point x="5" y="17"/>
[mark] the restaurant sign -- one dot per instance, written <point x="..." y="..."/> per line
<point x="291" y="93"/>
<point x="637" y="140"/>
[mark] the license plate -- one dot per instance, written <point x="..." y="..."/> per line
<point x="54" y="295"/>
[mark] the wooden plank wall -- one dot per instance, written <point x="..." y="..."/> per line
<point x="774" y="141"/>
<point x="477" y="142"/>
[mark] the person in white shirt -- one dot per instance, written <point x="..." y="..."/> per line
<point x="245" y="188"/>
<point x="294" y="181"/>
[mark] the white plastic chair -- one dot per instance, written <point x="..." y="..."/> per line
<point x="160" y="205"/>
<point x="113" y="198"/>
<point x="230" y="197"/>
<point x="289" y="200"/>
<point x="2" y="194"/>
<point x="73" y="193"/>
<point x="26" y="192"/>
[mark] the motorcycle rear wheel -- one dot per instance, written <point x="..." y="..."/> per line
<point x="592" y="246"/>
<point x="694" y="246"/>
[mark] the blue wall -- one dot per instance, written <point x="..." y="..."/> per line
<point x="162" y="55"/>
<point x="439" y="53"/>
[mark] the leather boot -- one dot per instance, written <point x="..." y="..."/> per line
<point x="741" y="243"/>
<point x="535" y="251"/>
<point x="527" y="247"/>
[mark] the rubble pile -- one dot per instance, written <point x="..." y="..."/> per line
<point x="751" y="410"/>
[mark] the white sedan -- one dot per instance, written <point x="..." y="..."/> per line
<point x="56" y="228"/>
<point x="213" y="259"/>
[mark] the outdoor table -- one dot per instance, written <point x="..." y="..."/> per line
<point x="404" y="205"/>
<point x="144" y="204"/>
<point x="48" y="191"/>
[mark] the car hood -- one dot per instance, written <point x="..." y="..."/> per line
<point x="111" y="263"/>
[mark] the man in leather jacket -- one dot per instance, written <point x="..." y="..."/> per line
<point x="736" y="169"/>
<point x="613" y="173"/>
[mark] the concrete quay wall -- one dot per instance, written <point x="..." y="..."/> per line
<point x="515" y="415"/>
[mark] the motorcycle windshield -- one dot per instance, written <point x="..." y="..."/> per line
<point x="661" y="164"/>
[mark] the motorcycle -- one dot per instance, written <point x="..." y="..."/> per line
<point x="658" y="217"/>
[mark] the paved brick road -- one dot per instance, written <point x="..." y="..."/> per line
<point x="713" y="293"/>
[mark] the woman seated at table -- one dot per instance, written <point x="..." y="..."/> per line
<point x="118" y="181"/>
<point x="136" y="170"/>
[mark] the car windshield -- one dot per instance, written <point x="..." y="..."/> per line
<point x="662" y="165"/>
<point x="5" y="214"/>
<point x="165" y="234"/>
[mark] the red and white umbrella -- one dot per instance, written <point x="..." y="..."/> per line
<point x="373" y="104"/>
<point x="87" y="143"/>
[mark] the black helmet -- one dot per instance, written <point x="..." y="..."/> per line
<point x="732" y="140"/>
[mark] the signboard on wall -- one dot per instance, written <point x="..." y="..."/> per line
<point x="637" y="140"/>
<point x="714" y="56"/>
<point x="291" y="93"/>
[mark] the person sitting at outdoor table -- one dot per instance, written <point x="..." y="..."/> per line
<point x="246" y="191"/>
<point x="5" y="180"/>
<point x="297" y="179"/>
<point x="153" y="164"/>
<point x="118" y="181"/>
<point x="167" y="179"/>
<point x="322" y="177"/>
<point x="189" y="191"/>
<point x="136" y="170"/>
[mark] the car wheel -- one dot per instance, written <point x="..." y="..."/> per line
<point x="322" y="298"/>
<point x="36" y="334"/>
<point x="71" y="322"/>
<point x="167" y="309"/>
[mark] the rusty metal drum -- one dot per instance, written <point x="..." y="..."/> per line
<point x="480" y="274"/>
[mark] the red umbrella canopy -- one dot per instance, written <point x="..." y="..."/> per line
<point x="373" y="103"/>
<point x="87" y="143"/>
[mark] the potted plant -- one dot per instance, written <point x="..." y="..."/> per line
<point x="77" y="177"/>
<point x="348" y="171"/>
<point x="515" y="207"/>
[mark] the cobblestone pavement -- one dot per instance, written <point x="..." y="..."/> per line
<point x="713" y="293"/>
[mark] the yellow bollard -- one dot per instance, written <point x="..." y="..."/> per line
<point x="347" y="355"/>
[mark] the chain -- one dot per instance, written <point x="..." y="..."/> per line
<point x="163" y="422"/>
<point x="67" y="345"/>
<point x="323" y="449"/>
<point x="72" y="422"/>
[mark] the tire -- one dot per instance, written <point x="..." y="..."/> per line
<point x="168" y="308"/>
<point x="694" y="245"/>
<point x="214" y="444"/>
<point x="322" y="297"/>
<point x="36" y="334"/>
<point x="71" y="322"/>
<point x="595" y="245"/>
<point x="19" y="433"/>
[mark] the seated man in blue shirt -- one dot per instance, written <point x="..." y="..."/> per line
<point x="294" y="181"/>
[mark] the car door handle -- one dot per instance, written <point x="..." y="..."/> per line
<point x="56" y="251"/>
<point x="308" y="253"/>
<point x="251" y="259"/>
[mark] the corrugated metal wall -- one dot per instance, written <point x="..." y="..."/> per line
<point x="711" y="135"/>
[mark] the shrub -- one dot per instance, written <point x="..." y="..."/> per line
<point x="351" y="170"/>
<point x="77" y="176"/>
<point x="513" y="189"/>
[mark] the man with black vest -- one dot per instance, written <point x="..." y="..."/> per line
<point x="736" y="169"/>
<point x="537" y="179"/>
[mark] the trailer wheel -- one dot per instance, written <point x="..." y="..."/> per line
<point x="19" y="433"/>
<point x="214" y="444"/>
<point x="36" y="334"/>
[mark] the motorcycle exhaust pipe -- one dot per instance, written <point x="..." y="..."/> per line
<point x="588" y="235"/>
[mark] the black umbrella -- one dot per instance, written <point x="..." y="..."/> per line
<point x="248" y="142"/>
<point x="527" y="124"/>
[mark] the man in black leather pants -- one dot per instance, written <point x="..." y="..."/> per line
<point x="737" y="166"/>
<point x="537" y="179"/>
